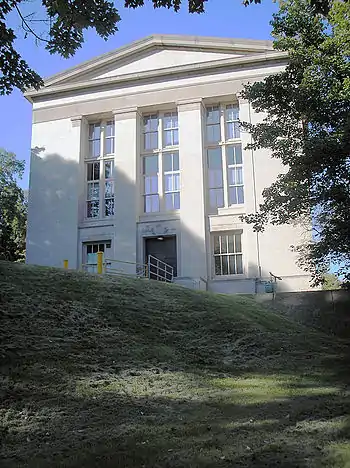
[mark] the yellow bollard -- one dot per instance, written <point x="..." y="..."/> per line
<point x="65" y="264"/>
<point x="99" y="262"/>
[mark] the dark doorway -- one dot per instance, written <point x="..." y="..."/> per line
<point x="164" y="249"/>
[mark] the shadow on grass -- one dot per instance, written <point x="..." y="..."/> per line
<point x="110" y="428"/>
<point x="126" y="373"/>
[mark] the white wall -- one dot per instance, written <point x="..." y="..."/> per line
<point x="166" y="59"/>
<point x="54" y="193"/>
<point x="193" y="222"/>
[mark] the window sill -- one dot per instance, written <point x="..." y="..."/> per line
<point x="229" y="277"/>
<point x="232" y="209"/>
<point x="97" y="222"/>
<point x="161" y="216"/>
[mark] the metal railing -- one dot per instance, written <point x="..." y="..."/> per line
<point x="121" y="267"/>
<point x="111" y="266"/>
<point x="159" y="270"/>
<point x="154" y="269"/>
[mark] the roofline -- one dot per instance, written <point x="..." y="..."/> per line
<point x="207" y="43"/>
<point x="131" y="77"/>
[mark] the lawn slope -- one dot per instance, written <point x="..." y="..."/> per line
<point x="133" y="373"/>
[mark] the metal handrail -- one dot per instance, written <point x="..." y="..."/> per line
<point x="141" y="268"/>
<point x="160" y="266"/>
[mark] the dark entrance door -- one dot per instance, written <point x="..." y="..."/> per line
<point x="163" y="248"/>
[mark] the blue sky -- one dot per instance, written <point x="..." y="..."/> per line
<point x="223" y="18"/>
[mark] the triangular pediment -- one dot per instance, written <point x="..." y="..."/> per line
<point x="159" y="53"/>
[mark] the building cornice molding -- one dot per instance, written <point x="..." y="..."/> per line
<point x="200" y="43"/>
<point x="193" y="69"/>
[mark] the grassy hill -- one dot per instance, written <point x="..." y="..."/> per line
<point x="100" y="372"/>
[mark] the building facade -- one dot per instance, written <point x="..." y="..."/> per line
<point x="140" y="152"/>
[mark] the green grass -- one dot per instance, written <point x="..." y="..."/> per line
<point x="100" y="372"/>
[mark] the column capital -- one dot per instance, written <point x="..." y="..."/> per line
<point x="78" y="120"/>
<point x="126" y="113"/>
<point x="190" y="104"/>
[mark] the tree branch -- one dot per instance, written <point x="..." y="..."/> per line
<point x="29" y="29"/>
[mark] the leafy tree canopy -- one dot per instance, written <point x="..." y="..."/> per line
<point x="65" y="22"/>
<point x="13" y="208"/>
<point x="331" y="282"/>
<point x="307" y="127"/>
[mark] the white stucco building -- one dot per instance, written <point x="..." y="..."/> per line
<point x="139" y="152"/>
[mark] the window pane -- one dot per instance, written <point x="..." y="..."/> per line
<point x="151" y="185"/>
<point x="110" y="129"/>
<point x="101" y="247"/>
<point x="109" y="207"/>
<point x="176" y="196"/>
<point x="235" y="176"/>
<point x="97" y="171"/>
<point x="230" y="241"/>
<point x="95" y="248"/>
<point x="175" y="137"/>
<point x="171" y="138"/>
<point x="170" y="120"/>
<point x="214" y="158"/>
<point x="94" y="148"/>
<point x="94" y="132"/>
<point x="216" y="198"/>
<point x="224" y="260"/>
<point x="93" y="209"/>
<point x="238" y="152"/>
<point x="176" y="165"/>
<point x="239" y="263"/>
<point x="150" y="141"/>
<point x="109" y="189"/>
<point x="223" y="244"/>
<point x="109" y="146"/>
<point x="232" y="130"/>
<point x="238" y="243"/>
<point x="232" y="264"/>
<point x="108" y="169"/>
<point x="213" y="133"/>
<point x="215" y="179"/>
<point x="217" y="261"/>
<point x="150" y="165"/>
<point x="90" y="171"/>
<point x="213" y="115"/>
<point x="176" y="181"/>
<point x="169" y="183"/>
<point x="216" y="244"/>
<point x="234" y="155"/>
<point x="93" y="191"/>
<point x="150" y="123"/>
<point x="168" y="162"/>
<point x="151" y="203"/>
<point x="240" y="195"/>
<point x="232" y="112"/>
<point x="232" y="196"/>
<point x="171" y="162"/>
<point x="89" y="249"/>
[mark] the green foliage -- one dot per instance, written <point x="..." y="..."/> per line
<point x="330" y="282"/>
<point x="13" y="208"/>
<point x="307" y="127"/>
<point x="67" y="20"/>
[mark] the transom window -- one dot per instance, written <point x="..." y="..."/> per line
<point x="227" y="251"/>
<point x="99" y="170"/>
<point x="224" y="156"/>
<point x="160" y="162"/>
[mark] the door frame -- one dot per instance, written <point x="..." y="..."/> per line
<point x="144" y="247"/>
